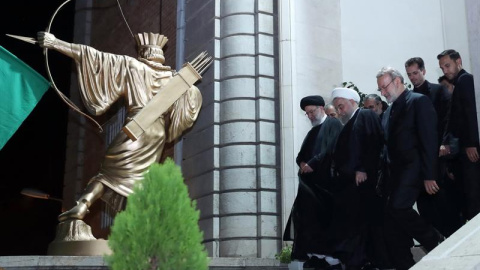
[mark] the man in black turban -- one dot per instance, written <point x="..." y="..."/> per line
<point x="312" y="209"/>
<point x="312" y="100"/>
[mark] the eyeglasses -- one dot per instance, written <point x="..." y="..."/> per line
<point x="311" y="112"/>
<point x="385" y="87"/>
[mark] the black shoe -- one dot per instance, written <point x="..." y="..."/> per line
<point x="441" y="238"/>
<point x="337" y="266"/>
<point x="315" y="263"/>
<point x="428" y="248"/>
<point x="369" y="266"/>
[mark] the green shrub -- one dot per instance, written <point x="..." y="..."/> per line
<point x="159" y="227"/>
<point x="285" y="255"/>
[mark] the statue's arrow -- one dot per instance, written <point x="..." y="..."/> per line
<point x="26" y="39"/>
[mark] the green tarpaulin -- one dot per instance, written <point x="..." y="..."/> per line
<point x="21" y="88"/>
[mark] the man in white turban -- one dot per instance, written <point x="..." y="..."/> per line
<point x="346" y="110"/>
<point x="357" y="208"/>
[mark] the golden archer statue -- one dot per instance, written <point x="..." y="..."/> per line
<point x="104" y="78"/>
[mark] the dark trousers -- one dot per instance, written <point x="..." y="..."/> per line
<point x="349" y="223"/>
<point x="470" y="174"/>
<point x="357" y="225"/>
<point x="444" y="209"/>
<point x="401" y="226"/>
<point x="375" y="242"/>
<point x="376" y="246"/>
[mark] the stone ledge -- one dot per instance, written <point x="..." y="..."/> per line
<point x="245" y="263"/>
<point x="97" y="262"/>
<point x="460" y="251"/>
<point x="52" y="262"/>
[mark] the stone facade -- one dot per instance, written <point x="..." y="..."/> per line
<point x="473" y="23"/>
<point x="230" y="157"/>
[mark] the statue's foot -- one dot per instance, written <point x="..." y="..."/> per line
<point x="77" y="212"/>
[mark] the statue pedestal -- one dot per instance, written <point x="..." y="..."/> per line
<point x="75" y="238"/>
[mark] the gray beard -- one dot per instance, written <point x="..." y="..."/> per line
<point x="345" y="118"/>
<point x="316" y="122"/>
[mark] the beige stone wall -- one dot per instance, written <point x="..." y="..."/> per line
<point x="310" y="64"/>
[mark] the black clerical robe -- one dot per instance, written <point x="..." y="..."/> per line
<point x="310" y="217"/>
<point x="356" y="207"/>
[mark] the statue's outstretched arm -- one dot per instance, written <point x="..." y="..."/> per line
<point x="49" y="41"/>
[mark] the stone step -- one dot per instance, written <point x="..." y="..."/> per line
<point x="98" y="263"/>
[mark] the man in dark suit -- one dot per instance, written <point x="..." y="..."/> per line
<point x="331" y="111"/>
<point x="463" y="125"/>
<point x="411" y="150"/>
<point x="440" y="209"/>
<point x="357" y="209"/>
<point x="312" y="209"/>
<point x="446" y="83"/>
<point x="440" y="97"/>
<point x="374" y="102"/>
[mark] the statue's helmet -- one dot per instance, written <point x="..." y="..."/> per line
<point x="150" y="46"/>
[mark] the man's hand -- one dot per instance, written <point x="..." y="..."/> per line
<point x="46" y="40"/>
<point x="360" y="177"/>
<point x="304" y="168"/>
<point x="472" y="153"/>
<point x="444" y="150"/>
<point x="431" y="186"/>
<point x="449" y="174"/>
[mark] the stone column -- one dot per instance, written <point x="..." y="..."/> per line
<point x="473" y="28"/>
<point x="231" y="155"/>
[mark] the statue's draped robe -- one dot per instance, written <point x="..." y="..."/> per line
<point x="104" y="78"/>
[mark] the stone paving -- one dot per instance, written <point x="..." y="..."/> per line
<point x="461" y="251"/>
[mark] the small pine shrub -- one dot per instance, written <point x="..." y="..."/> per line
<point x="159" y="227"/>
<point x="285" y="255"/>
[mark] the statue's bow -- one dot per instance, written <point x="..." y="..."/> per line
<point x="52" y="82"/>
<point x="45" y="52"/>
